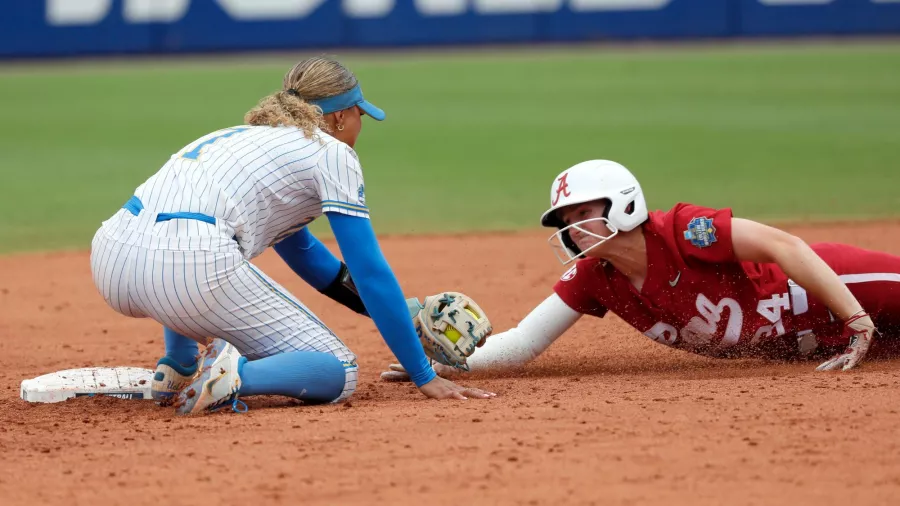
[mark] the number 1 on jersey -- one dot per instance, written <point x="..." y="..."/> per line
<point x="194" y="153"/>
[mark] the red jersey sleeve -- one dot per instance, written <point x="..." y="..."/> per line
<point x="577" y="289"/>
<point x="701" y="234"/>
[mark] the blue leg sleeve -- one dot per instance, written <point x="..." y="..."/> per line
<point x="179" y="348"/>
<point x="307" y="375"/>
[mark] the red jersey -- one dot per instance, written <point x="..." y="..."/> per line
<point x="699" y="297"/>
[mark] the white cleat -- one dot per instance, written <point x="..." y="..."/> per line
<point x="217" y="384"/>
<point x="169" y="379"/>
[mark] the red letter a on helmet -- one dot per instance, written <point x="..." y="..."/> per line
<point x="562" y="189"/>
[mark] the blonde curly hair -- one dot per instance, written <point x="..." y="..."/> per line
<point x="311" y="79"/>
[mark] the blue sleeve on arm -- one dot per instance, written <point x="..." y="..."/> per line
<point x="381" y="293"/>
<point x="309" y="258"/>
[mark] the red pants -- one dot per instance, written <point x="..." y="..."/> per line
<point x="874" y="279"/>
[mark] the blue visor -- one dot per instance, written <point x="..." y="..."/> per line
<point x="346" y="100"/>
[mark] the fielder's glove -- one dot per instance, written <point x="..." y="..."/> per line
<point x="450" y="326"/>
<point x="860" y="330"/>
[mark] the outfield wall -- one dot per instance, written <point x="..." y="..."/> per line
<point x="39" y="28"/>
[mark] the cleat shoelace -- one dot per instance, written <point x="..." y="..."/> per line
<point x="237" y="405"/>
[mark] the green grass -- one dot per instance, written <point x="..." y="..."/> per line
<point x="473" y="140"/>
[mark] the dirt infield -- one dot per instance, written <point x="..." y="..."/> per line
<point x="604" y="417"/>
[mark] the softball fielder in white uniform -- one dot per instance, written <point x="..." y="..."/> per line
<point x="179" y="252"/>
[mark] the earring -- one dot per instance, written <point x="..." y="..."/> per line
<point x="340" y="128"/>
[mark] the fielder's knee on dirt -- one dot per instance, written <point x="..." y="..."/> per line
<point x="351" y="373"/>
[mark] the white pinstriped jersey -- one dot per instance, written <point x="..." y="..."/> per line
<point x="260" y="183"/>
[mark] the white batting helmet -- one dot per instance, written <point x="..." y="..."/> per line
<point x="590" y="181"/>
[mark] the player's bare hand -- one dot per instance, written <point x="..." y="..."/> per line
<point x="440" y="388"/>
<point x="860" y="330"/>
<point x="397" y="373"/>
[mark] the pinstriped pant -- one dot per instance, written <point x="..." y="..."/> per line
<point x="203" y="294"/>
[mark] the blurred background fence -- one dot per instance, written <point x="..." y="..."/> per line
<point x="54" y="28"/>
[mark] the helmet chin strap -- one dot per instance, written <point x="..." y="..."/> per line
<point x="569" y="255"/>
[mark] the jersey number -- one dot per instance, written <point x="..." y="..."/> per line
<point x="194" y="153"/>
<point x="771" y="309"/>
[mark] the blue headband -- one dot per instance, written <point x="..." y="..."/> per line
<point x="346" y="100"/>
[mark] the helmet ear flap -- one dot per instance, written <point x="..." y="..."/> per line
<point x="608" y="204"/>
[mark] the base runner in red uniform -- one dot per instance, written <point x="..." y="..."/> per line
<point x="700" y="280"/>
